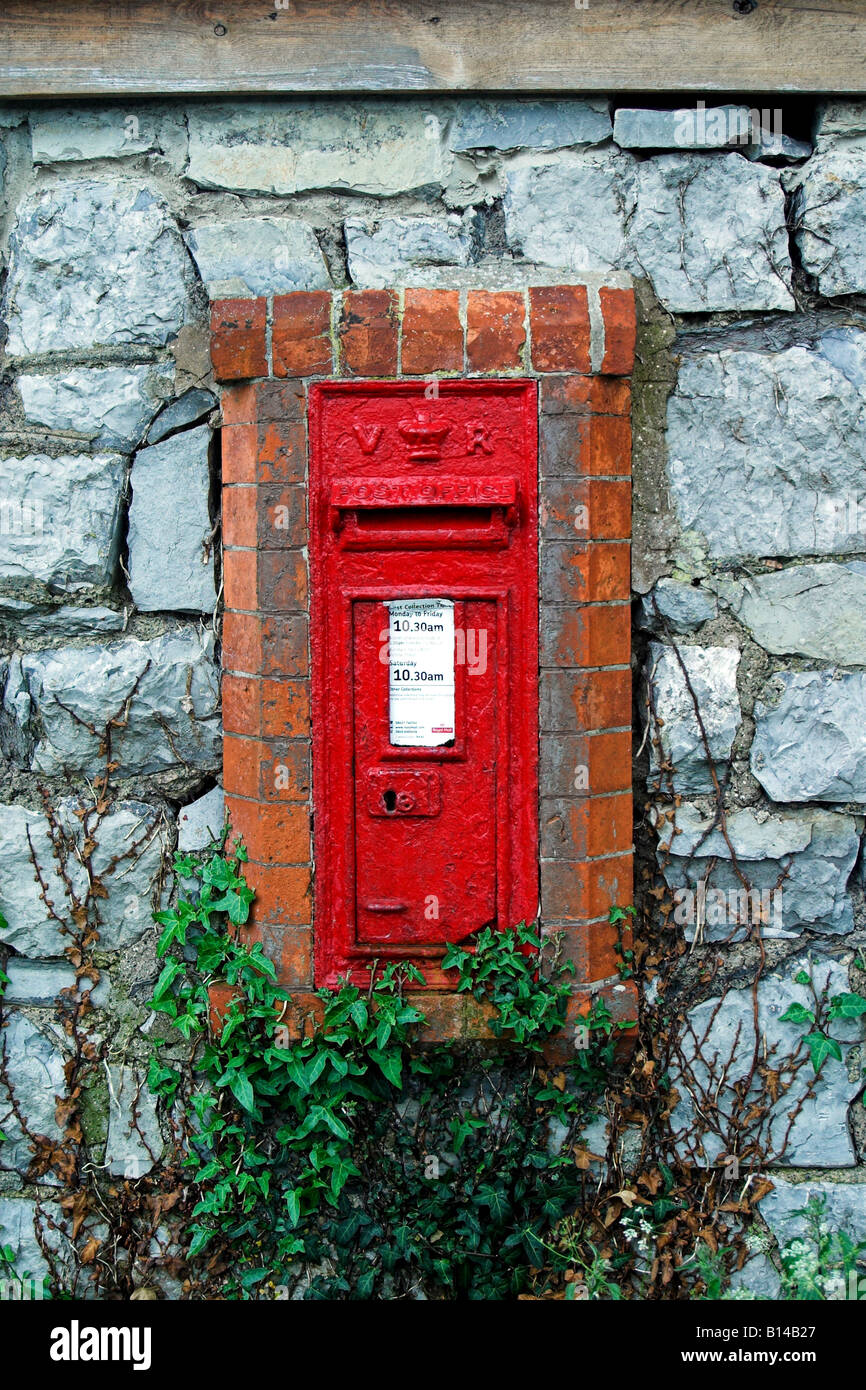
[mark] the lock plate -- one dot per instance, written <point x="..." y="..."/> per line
<point x="402" y="793"/>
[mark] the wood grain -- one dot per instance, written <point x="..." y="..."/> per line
<point x="67" y="48"/>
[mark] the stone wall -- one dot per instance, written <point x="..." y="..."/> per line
<point x="120" y="222"/>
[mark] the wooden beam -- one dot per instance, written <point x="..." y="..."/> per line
<point x="77" y="48"/>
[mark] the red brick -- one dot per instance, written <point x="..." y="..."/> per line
<point x="238" y="445"/>
<point x="495" y="330"/>
<point x="285" y="646"/>
<point x="579" y="701"/>
<point x="590" y="947"/>
<point x="580" y="890"/>
<point x="274" y="832"/>
<point x="620" y="327"/>
<point x="282" y="894"/>
<point x="594" y="509"/>
<point x="559" y="321"/>
<point x="238" y="347"/>
<point x="280" y="401"/>
<point x="282" y="521"/>
<point x="592" y="635"/>
<point x="596" y="395"/>
<point x="238" y="404"/>
<point x="301" y="333"/>
<point x="369" y="333"/>
<point x="241" y="704"/>
<point x="286" y="708"/>
<point x="239" y="580"/>
<point x="282" y="452"/>
<point x="598" y="572"/>
<point x="609" y="759"/>
<point x="282" y="580"/>
<point x="296" y="958"/>
<point x="585" y="827"/>
<point x="608" y="447"/>
<point x="242" y="643"/>
<point x="240" y="766"/>
<point x="284" y="770"/>
<point x="432" y="332"/>
<point x="239" y="516"/>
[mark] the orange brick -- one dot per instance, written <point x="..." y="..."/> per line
<point x="596" y="395"/>
<point x="238" y="347"/>
<point x="240" y="766"/>
<point x="282" y="517"/>
<point x="575" y="891"/>
<point x="238" y="404"/>
<point x="369" y="333"/>
<point x="238" y="444"/>
<point x="609" y="572"/>
<point x="240" y="516"/>
<point x="585" y="827"/>
<point x="274" y="832"/>
<point x="620" y="327"/>
<point x="608" y="446"/>
<point x="282" y="452"/>
<point x="285" y="708"/>
<point x="609" y="760"/>
<point x="585" y="700"/>
<point x="592" y="635"/>
<point x="559" y="322"/>
<point x="241" y="704"/>
<point x="609" y="506"/>
<point x="242" y="643"/>
<point x="284" y="771"/>
<point x="301" y="333"/>
<point x="282" y="894"/>
<point x="296" y="958"/>
<point x="282" y="580"/>
<point x="239" y="580"/>
<point x="285" y="646"/>
<point x="432" y="332"/>
<point x="495" y="330"/>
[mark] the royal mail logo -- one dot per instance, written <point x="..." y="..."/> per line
<point x="77" y="1343"/>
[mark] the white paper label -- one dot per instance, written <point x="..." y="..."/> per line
<point x="421" y="667"/>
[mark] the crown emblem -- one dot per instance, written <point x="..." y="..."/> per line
<point x="424" y="437"/>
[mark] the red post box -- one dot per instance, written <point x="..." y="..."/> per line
<point x="424" y="637"/>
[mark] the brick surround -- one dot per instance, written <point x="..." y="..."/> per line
<point x="577" y="340"/>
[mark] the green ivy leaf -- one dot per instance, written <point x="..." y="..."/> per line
<point x="797" y="1013"/>
<point x="820" y="1048"/>
<point x="847" y="1006"/>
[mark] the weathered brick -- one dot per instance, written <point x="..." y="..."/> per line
<point x="238" y="345"/>
<point x="594" y="509"/>
<point x="282" y="894"/>
<point x="585" y="395"/>
<point x="559" y="325"/>
<point x="282" y="584"/>
<point x="241" y="704"/>
<point x="238" y="449"/>
<point x="296" y="958"/>
<point x="285" y="708"/>
<point x="620" y="327"/>
<point x="579" y="890"/>
<point x="608" y="446"/>
<point x="240" y="766"/>
<point x="282" y="452"/>
<point x="285" y="646"/>
<point x="369" y="333"/>
<point x="274" y="832"/>
<point x="432" y="332"/>
<point x="279" y="401"/>
<point x="579" y="827"/>
<point x="589" y="946"/>
<point x="238" y="404"/>
<point x="282" y="517"/>
<point x="495" y="330"/>
<point x="577" y="701"/>
<point x="596" y="572"/>
<point x="284" y="770"/>
<point x="592" y="635"/>
<point x="301" y="333"/>
<point x="239" y="580"/>
<point x="239" y="517"/>
<point x="242" y="643"/>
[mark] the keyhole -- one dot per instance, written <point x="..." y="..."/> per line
<point x="390" y="799"/>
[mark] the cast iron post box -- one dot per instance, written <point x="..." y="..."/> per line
<point x="424" y="637"/>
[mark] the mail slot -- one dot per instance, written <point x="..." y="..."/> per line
<point x="424" y="636"/>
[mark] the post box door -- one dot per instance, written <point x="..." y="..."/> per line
<point x="425" y="833"/>
<point x="423" y="534"/>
